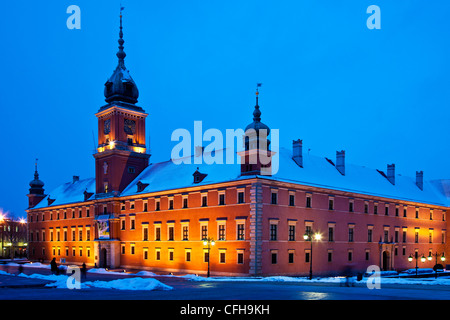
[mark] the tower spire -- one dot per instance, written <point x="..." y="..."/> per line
<point x="36" y="174"/>
<point x="257" y="112"/>
<point x="121" y="54"/>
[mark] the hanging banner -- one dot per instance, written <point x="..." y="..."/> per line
<point x="103" y="228"/>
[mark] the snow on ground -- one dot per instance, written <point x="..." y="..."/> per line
<point x="139" y="283"/>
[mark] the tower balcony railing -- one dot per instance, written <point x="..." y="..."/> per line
<point x="119" y="145"/>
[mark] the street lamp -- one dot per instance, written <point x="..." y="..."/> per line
<point x="309" y="236"/>
<point x="416" y="256"/>
<point x="208" y="242"/>
<point x="436" y="255"/>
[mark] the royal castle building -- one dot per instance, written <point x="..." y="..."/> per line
<point x="313" y="213"/>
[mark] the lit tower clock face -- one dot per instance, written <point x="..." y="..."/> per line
<point x="129" y="126"/>
<point x="107" y="126"/>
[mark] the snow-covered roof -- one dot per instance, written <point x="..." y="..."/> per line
<point x="67" y="193"/>
<point x="316" y="172"/>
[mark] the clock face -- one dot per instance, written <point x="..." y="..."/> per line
<point x="129" y="126"/>
<point x="107" y="126"/>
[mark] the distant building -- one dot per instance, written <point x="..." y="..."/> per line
<point x="13" y="243"/>
<point x="133" y="214"/>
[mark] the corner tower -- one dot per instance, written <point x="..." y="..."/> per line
<point x="256" y="159"/>
<point x="121" y="153"/>
<point x="36" y="189"/>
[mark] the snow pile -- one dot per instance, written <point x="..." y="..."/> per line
<point x="130" y="284"/>
<point x="63" y="282"/>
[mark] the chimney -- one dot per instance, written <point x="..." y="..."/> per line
<point x="75" y="179"/>
<point x="419" y="179"/>
<point x="340" y="161"/>
<point x="391" y="173"/>
<point x="297" y="152"/>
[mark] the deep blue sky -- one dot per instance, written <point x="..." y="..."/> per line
<point x="381" y="95"/>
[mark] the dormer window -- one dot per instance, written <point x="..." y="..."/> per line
<point x="198" y="176"/>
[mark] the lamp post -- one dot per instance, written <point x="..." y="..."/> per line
<point x="208" y="242"/>
<point x="416" y="256"/>
<point x="309" y="236"/>
<point x="436" y="255"/>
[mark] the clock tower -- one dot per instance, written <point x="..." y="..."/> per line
<point x="121" y="153"/>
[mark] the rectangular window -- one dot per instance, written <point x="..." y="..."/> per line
<point x="221" y="231"/>
<point x="204" y="231"/>
<point x="291" y="200"/>
<point x="221" y="199"/>
<point x="350" y="234"/>
<point x="331" y="204"/>
<point x="133" y="224"/>
<point x="350" y="255"/>
<point x="367" y="255"/>
<point x="222" y="256"/>
<point x="157" y="233"/>
<point x="366" y="207"/>
<point x="404" y="212"/>
<point x="417" y="213"/>
<point x="273" y="232"/>
<point x="404" y="235"/>
<point x="241" y="198"/>
<point x="158" y="254"/>
<point x="396" y="211"/>
<point x="145" y="254"/>
<point x="274" y="257"/>
<point x="375" y="209"/>
<point x="307" y="256"/>
<point x="185" y="232"/>
<point x="170" y="254"/>
<point x="350" y="206"/>
<point x="171" y="233"/>
<point x="291" y="232"/>
<point x="386" y="235"/>
<point x="240" y="231"/>
<point x="204" y="200"/>
<point x="416" y="236"/>
<point x="145" y="206"/>
<point x="145" y="233"/>
<point x="291" y="257"/>
<point x="308" y="201"/>
<point x="240" y="257"/>
<point x="188" y="255"/>
<point x="185" y="203"/>
<point x="274" y="198"/>
<point x="369" y="235"/>
<point x="396" y="236"/>
<point x="205" y="256"/>
<point x="132" y="248"/>
<point x="331" y="234"/>
<point x="386" y="210"/>
<point x="330" y="256"/>
<point x="122" y="247"/>
<point x="157" y="205"/>
<point x="170" y="204"/>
